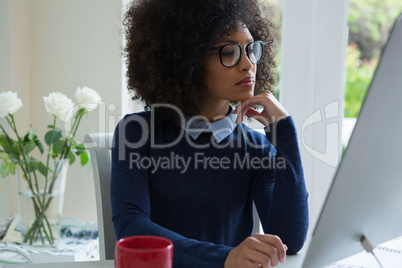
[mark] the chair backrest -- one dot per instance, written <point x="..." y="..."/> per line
<point x="99" y="145"/>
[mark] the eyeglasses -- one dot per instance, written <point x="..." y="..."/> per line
<point x="230" y="54"/>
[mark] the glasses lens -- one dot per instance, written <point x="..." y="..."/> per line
<point x="230" y="55"/>
<point x="255" y="51"/>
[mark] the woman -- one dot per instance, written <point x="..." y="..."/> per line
<point x="188" y="169"/>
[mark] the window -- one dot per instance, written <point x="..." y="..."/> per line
<point x="369" y="24"/>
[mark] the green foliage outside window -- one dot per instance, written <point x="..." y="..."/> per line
<point x="369" y="24"/>
<point x="358" y="80"/>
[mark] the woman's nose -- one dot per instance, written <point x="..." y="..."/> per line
<point x="245" y="63"/>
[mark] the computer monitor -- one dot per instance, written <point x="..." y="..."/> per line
<point x="365" y="197"/>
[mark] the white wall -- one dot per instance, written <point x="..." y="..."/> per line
<point x="314" y="39"/>
<point x="15" y="75"/>
<point x="5" y="184"/>
<point x="58" y="45"/>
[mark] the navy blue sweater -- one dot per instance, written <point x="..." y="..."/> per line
<point x="199" y="193"/>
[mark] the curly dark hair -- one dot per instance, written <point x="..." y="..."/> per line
<point x="166" y="42"/>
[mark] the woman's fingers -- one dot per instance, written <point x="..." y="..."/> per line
<point x="261" y="259"/>
<point x="258" y="250"/>
<point x="276" y="249"/>
<point x="263" y="254"/>
<point x="272" y="109"/>
<point x="257" y="115"/>
<point x="244" y="107"/>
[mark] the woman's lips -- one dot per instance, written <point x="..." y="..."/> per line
<point x="246" y="82"/>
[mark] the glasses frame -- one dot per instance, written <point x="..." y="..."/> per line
<point x="220" y="48"/>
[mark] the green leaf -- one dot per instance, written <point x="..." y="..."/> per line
<point x="12" y="168"/>
<point x="84" y="158"/>
<point x="57" y="149"/>
<point x="2" y="136"/>
<point x="42" y="169"/>
<point x="40" y="146"/>
<point x="71" y="157"/>
<point x="31" y="133"/>
<point x="56" y="136"/>
<point x="28" y="147"/>
<point x="50" y="126"/>
<point x="80" y="148"/>
<point x="73" y="142"/>
<point x="10" y="149"/>
<point x="26" y="138"/>
<point x="34" y="165"/>
<point x="4" y="155"/>
<point x="5" y="169"/>
<point x="14" y="157"/>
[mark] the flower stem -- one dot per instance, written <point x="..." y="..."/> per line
<point x="48" y="158"/>
<point x="40" y="207"/>
<point x="74" y="131"/>
<point x="5" y="132"/>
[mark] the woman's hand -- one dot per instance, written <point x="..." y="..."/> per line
<point x="273" y="110"/>
<point x="258" y="250"/>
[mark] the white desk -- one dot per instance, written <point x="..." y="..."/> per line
<point x="82" y="264"/>
<point x="294" y="261"/>
<point x="291" y="262"/>
<point x="363" y="259"/>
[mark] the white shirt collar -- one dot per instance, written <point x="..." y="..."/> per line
<point x="220" y="129"/>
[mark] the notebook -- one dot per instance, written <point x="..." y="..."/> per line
<point x="388" y="254"/>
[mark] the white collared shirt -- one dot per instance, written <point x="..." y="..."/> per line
<point x="220" y="129"/>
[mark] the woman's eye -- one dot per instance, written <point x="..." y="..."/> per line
<point x="227" y="53"/>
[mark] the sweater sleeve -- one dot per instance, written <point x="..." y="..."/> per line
<point x="130" y="200"/>
<point x="280" y="193"/>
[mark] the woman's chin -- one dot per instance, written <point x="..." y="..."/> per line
<point x="242" y="97"/>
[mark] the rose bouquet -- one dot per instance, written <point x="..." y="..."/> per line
<point x="59" y="149"/>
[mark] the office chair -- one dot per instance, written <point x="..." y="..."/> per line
<point x="99" y="146"/>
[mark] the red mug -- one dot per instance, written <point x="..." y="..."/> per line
<point x="143" y="251"/>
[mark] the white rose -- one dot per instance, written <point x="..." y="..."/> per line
<point x="9" y="103"/>
<point x="59" y="105"/>
<point x="87" y="98"/>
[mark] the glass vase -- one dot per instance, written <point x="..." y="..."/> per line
<point x="40" y="202"/>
